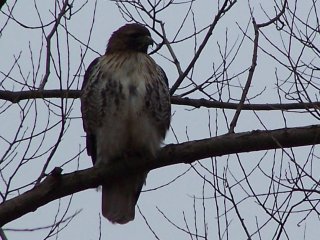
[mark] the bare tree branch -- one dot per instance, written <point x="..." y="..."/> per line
<point x="224" y="8"/>
<point x="53" y="31"/>
<point x="2" y="235"/>
<point x="197" y="103"/>
<point x="56" y="186"/>
<point x="17" y="96"/>
<point x="249" y="78"/>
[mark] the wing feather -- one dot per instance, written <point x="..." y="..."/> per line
<point x="157" y="100"/>
<point x="85" y="109"/>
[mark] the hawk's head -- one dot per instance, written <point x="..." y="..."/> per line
<point x="130" y="37"/>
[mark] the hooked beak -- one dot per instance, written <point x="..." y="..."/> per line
<point x="149" y="40"/>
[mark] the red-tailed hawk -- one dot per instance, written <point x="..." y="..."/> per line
<point x="125" y="107"/>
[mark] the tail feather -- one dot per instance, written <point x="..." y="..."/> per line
<point x="119" y="199"/>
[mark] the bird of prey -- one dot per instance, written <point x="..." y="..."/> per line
<point x="125" y="105"/>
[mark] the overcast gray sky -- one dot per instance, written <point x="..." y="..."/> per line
<point x="175" y="199"/>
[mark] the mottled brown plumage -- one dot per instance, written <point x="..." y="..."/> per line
<point x="125" y="106"/>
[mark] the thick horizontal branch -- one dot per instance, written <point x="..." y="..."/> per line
<point x="57" y="186"/>
<point x="17" y="96"/>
